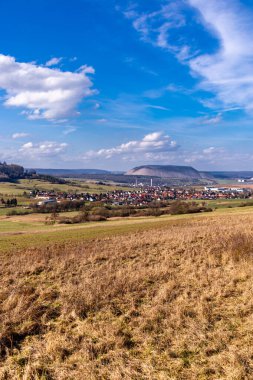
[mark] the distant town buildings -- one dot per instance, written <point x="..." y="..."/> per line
<point x="143" y="196"/>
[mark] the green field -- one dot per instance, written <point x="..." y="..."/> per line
<point x="27" y="185"/>
<point x="30" y="230"/>
<point x="21" y="189"/>
<point x="22" y="231"/>
<point x="226" y="203"/>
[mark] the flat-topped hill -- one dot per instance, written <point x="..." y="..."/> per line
<point x="166" y="171"/>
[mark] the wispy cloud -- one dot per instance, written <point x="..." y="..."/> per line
<point x="171" y="88"/>
<point x="69" y="130"/>
<point x="207" y="120"/>
<point x="136" y="65"/>
<point x="228" y="72"/>
<point x="161" y="108"/>
<point x="215" y="157"/>
<point x="212" y="150"/>
<point x="43" y="92"/>
<point x="53" y="62"/>
<point x="156" y="27"/>
<point x="19" y="135"/>
<point x="128" y="111"/>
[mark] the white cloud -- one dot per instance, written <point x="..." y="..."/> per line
<point x="211" y="155"/>
<point x="97" y="106"/>
<point x="158" y="107"/>
<point x="42" y="149"/>
<point x="210" y="120"/>
<point x="227" y="72"/>
<point x="155" y="142"/>
<point x="19" y="135"/>
<point x="212" y="150"/>
<point x="159" y="92"/>
<point x="69" y="130"/>
<point x="156" y="28"/>
<point x="43" y="92"/>
<point x="53" y="62"/>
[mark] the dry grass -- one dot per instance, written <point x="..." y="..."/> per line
<point x="169" y="303"/>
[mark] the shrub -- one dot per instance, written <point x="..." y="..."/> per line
<point x="179" y="207"/>
<point x="17" y="212"/>
<point x="96" y="218"/>
<point x="156" y="211"/>
<point x="103" y="211"/>
<point x="81" y="218"/>
<point x="65" y="220"/>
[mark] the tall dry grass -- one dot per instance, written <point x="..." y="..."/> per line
<point x="170" y="303"/>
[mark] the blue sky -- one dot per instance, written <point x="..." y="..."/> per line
<point x="115" y="84"/>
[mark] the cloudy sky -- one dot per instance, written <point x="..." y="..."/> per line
<point x="113" y="84"/>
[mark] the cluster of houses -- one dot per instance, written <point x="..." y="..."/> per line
<point x="144" y="196"/>
<point x="226" y="190"/>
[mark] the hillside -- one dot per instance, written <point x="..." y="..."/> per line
<point x="166" y="171"/>
<point x="70" y="172"/>
<point x="173" y="302"/>
<point x="232" y="174"/>
<point x="11" y="171"/>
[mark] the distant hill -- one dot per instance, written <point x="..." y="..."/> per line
<point x="166" y="171"/>
<point x="231" y="174"/>
<point x="69" y="172"/>
<point x="13" y="172"/>
<point x="207" y="175"/>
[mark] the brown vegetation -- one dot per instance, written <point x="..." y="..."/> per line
<point x="92" y="213"/>
<point x="179" y="207"/>
<point x="171" y="303"/>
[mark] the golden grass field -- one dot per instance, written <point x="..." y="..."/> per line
<point x="172" y="300"/>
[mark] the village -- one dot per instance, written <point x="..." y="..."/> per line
<point x="143" y="196"/>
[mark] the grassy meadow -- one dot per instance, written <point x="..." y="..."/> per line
<point x="152" y="298"/>
<point x="145" y="298"/>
